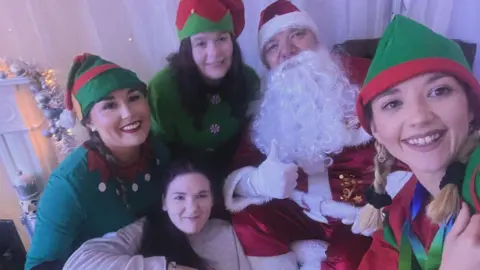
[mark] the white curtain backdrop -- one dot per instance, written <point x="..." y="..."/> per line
<point x="139" y="34"/>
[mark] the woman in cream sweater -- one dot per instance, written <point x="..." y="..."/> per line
<point x="179" y="236"/>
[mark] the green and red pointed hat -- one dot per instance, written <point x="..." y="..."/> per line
<point x="199" y="16"/>
<point x="91" y="79"/>
<point x="407" y="49"/>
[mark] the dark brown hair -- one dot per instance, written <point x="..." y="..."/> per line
<point x="193" y="88"/>
<point x="160" y="236"/>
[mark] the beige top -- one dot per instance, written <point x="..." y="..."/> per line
<point x="217" y="244"/>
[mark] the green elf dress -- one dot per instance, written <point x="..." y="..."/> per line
<point x="213" y="140"/>
<point x="83" y="198"/>
<point x="409" y="239"/>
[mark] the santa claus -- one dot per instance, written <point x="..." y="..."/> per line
<point x="303" y="168"/>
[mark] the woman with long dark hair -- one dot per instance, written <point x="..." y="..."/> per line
<point x="199" y="101"/>
<point x="178" y="234"/>
<point x="108" y="182"/>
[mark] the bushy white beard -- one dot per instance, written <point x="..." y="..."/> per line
<point x="306" y="104"/>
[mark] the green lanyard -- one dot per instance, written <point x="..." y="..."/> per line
<point x="411" y="245"/>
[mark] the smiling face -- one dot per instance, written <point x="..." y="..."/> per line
<point x="122" y="119"/>
<point x="188" y="202"/>
<point x="287" y="44"/>
<point x="212" y="53"/>
<point x="423" y="121"/>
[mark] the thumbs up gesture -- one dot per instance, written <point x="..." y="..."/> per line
<point x="273" y="178"/>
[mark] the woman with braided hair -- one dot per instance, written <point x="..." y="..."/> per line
<point x="420" y="101"/>
<point x="112" y="179"/>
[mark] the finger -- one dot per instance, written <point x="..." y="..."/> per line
<point x="273" y="155"/>
<point x="461" y="222"/>
<point x="473" y="228"/>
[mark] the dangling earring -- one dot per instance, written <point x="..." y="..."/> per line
<point x="381" y="153"/>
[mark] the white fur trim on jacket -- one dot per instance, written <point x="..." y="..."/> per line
<point x="310" y="253"/>
<point x="283" y="22"/>
<point x="236" y="202"/>
<point x="286" y="261"/>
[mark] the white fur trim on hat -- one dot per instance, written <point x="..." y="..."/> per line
<point x="280" y="23"/>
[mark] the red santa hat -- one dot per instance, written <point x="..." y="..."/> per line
<point x="279" y="16"/>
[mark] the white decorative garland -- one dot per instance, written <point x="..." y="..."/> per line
<point x="49" y="97"/>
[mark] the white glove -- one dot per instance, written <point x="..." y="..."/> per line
<point x="318" y="208"/>
<point x="311" y="205"/>
<point x="273" y="178"/>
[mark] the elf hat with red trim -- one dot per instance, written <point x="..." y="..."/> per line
<point x="90" y="79"/>
<point x="199" y="16"/>
<point x="408" y="49"/>
<point x="280" y="16"/>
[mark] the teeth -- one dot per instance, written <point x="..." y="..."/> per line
<point x="425" y="140"/>
<point x="131" y="126"/>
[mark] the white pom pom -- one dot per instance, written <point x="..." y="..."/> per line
<point x="67" y="119"/>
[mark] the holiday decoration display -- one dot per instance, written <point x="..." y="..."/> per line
<point x="49" y="97"/>
<point x="28" y="190"/>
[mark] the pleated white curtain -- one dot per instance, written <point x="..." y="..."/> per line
<point x="139" y="34"/>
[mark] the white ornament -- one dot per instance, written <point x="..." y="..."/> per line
<point x="147" y="177"/>
<point x="135" y="187"/>
<point x="67" y="119"/>
<point x="102" y="187"/>
<point x="158" y="162"/>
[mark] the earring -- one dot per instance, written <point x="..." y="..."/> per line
<point x="164" y="208"/>
<point x="382" y="153"/>
<point x="94" y="129"/>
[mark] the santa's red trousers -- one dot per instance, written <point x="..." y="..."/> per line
<point x="270" y="229"/>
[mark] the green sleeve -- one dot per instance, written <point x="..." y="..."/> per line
<point x="162" y="98"/>
<point x="472" y="180"/>
<point x="59" y="219"/>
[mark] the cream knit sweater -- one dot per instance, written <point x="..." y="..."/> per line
<point x="217" y="244"/>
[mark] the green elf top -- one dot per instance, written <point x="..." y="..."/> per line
<point x="408" y="49"/>
<point x="83" y="198"/>
<point x="198" y="16"/>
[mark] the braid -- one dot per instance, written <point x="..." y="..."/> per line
<point x="448" y="202"/>
<point x="96" y="143"/>
<point x="370" y="217"/>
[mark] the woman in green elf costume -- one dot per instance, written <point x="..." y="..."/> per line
<point x="199" y="101"/>
<point x="420" y="101"/>
<point x="108" y="182"/>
